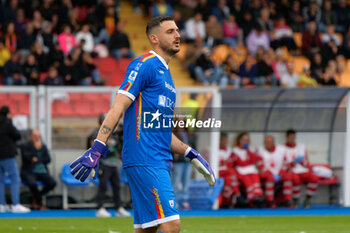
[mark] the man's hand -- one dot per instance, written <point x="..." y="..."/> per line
<point x="89" y="161"/>
<point x="299" y="159"/>
<point x="201" y="165"/>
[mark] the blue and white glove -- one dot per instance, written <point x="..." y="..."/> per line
<point x="201" y="165"/>
<point x="299" y="159"/>
<point x="89" y="161"/>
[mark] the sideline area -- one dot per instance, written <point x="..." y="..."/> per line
<point x="86" y="213"/>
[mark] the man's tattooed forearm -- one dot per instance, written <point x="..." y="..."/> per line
<point x="105" y="129"/>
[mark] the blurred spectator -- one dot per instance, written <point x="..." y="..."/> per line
<point x="108" y="171"/>
<point x="179" y="23"/>
<point x="110" y="23"/>
<point x="305" y="79"/>
<point x="236" y="8"/>
<point x="185" y="9"/>
<point x="49" y="38"/>
<point x="257" y="38"/>
<point x="327" y="78"/>
<point x="264" y="20"/>
<point x="192" y="52"/>
<point x="10" y="37"/>
<point x="279" y="65"/>
<point x="86" y="72"/>
<point x="290" y="79"/>
<point x="317" y="66"/>
<point x="20" y="23"/>
<point x="283" y="36"/>
<point x="66" y="40"/>
<point x="37" y="20"/>
<point x="296" y="19"/>
<point x="343" y="15"/>
<point x="205" y="70"/>
<point x="231" y="186"/>
<point x="204" y="8"/>
<point x="101" y="49"/>
<point x="35" y="158"/>
<point x="195" y="27"/>
<point x="329" y="51"/>
<point x="346" y="44"/>
<point x="5" y="55"/>
<point x="27" y="38"/>
<point x="46" y="9"/>
<point x="214" y="31"/>
<point x="13" y="73"/>
<point x="221" y="11"/>
<point x="161" y="7"/>
<point x="328" y="16"/>
<point x="243" y="161"/>
<point x="55" y="56"/>
<point x="66" y="70"/>
<point x="10" y="11"/>
<point x="119" y="44"/>
<point x="266" y="75"/>
<point x="232" y="69"/>
<point x="331" y="35"/>
<point x="62" y="12"/>
<point x="231" y="31"/>
<point x="312" y="12"/>
<point x="40" y="56"/>
<point x="182" y="170"/>
<point x="254" y="8"/>
<point x="31" y="71"/>
<point x="311" y="40"/>
<point x="8" y="165"/>
<point x="86" y="35"/>
<point x="53" y="78"/>
<point x="248" y="24"/>
<point x="248" y="71"/>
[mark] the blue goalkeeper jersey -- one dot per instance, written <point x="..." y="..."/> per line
<point x="148" y="120"/>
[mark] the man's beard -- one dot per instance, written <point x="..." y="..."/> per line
<point x="168" y="50"/>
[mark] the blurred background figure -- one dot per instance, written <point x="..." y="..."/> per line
<point x="108" y="172"/>
<point x="35" y="158"/>
<point x="8" y="164"/>
<point x="182" y="169"/>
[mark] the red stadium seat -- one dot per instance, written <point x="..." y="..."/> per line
<point x="75" y="96"/>
<point x="19" y="97"/>
<point x="3" y="99"/>
<point x="100" y="106"/>
<point x="62" y="109"/>
<point x="23" y="107"/>
<point x="106" y="96"/>
<point x="83" y="108"/>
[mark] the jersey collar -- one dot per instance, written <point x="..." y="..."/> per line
<point x="161" y="59"/>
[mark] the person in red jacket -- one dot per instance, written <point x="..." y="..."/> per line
<point x="297" y="161"/>
<point x="231" y="186"/>
<point x="243" y="160"/>
<point x="272" y="170"/>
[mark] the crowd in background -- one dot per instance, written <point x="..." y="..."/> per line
<point x="264" y="31"/>
<point x="53" y="42"/>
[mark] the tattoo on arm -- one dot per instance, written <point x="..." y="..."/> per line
<point x="105" y="129"/>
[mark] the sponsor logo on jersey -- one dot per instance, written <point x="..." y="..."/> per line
<point x="170" y="87"/>
<point x="165" y="101"/>
<point x="132" y="76"/>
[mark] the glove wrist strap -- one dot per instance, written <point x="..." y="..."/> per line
<point x="187" y="150"/>
<point x="100" y="147"/>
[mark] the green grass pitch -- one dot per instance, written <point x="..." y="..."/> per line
<point x="327" y="224"/>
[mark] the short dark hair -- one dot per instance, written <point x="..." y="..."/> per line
<point x="155" y="22"/>
<point x="4" y="110"/>
<point x="290" y="131"/>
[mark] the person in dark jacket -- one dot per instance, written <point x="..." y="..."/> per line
<point x="13" y="73"/>
<point x="35" y="157"/>
<point x="8" y="165"/>
<point x="119" y="44"/>
<point x="108" y="171"/>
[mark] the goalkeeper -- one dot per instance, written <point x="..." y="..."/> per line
<point x="147" y="95"/>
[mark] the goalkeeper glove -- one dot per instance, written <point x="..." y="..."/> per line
<point x="201" y="165"/>
<point x="89" y="161"/>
